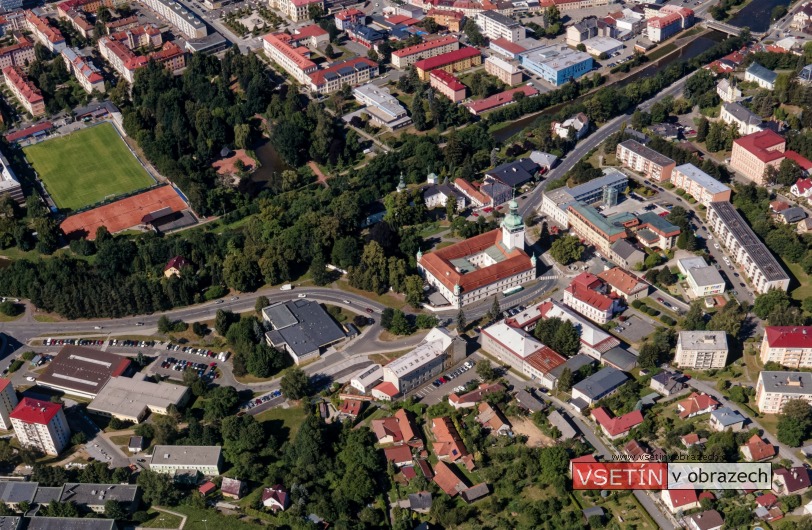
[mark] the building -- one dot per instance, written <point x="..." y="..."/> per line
<point x="645" y="160"/>
<point x="470" y="399"/>
<point x="452" y="20"/>
<point x="602" y="46"/>
<point x="520" y="350"/>
<point x="303" y="328"/>
<point x="83" y="70"/>
<point x="597" y="386"/>
<point x="495" y="25"/>
<point x="396" y="429"/>
<point x="561" y="421"/>
<point x="232" y="488"/>
<point x="296" y="10"/>
<point x="82" y="371"/>
<point x="447" y="85"/>
<point x="135" y="444"/>
<point x="501" y="99"/>
<point x="312" y="36"/>
<point x="763" y="77"/>
<point x="350" y="72"/>
<point x="44" y="33"/>
<point x="41" y="425"/>
<point x="664" y="27"/>
<point x="25" y="91"/>
<point x="424" y="363"/>
<point x="454" y="61"/>
<point x="448" y="444"/>
<point x="12" y="493"/>
<point x="349" y="17"/>
<point x="695" y="405"/>
<point x="448" y="480"/>
<point x="405" y="57"/>
<point x="726" y="418"/>
<point x="365" y="380"/>
<point x="398" y="455"/>
<point x="283" y="50"/>
<point x="579" y="124"/>
<point x="382" y="107"/>
<point x="477" y="198"/>
<point x="93" y="496"/>
<point x="792" y="215"/>
<point x="703" y="279"/>
<point x="504" y="71"/>
<point x="789" y="346"/>
<point x="175" y="266"/>
<point x="701" y="350"/>
<point x="727" y="91"/>
<point x="514" y="174"/>
<point x="117" y="49"/>
<point x="276" y="498"/>
<point x="742" y="117"/>
<point x="588" y="28"/>
<point x="701" y="186"/>
<point x="78" y="20"/>
<point x="802" y="187"/>
<point x="8" y="402"/>
<point x="793" y="481"/>
<point x="754" y="153"/>
<point x="133" y="399"/>
<point x="482" y="266"/>
<point x="438" y="195"/>
<point x="19" y="54"/>
<point x="556" y="64"/>
<point x="175" y="459"/>
<point x="666" y="384"/>
<point x="618" y="427"/>
<point x="492" y="419"/>
<point x="624" y="284"/>
<point x="587" y="294"/>
<point x="707" y="520"/>
<point x="746" y="249"/>
<point x="9" y="183"/>
<point x="554" y="203"/>
<point x="595" y="342"/>
<point x="774" y="389"/>
<point x="756" y="449"/>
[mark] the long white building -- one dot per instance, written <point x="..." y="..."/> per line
<point x="747" y="250"/>
<point x="179" y="16"/>
<point x="789" y="346"/>
<point x="701" y="350"/>
<point x="495" y="25"/>
<point x="423" y="363"/>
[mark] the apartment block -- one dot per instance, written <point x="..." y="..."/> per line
<point x="447" y="85"/>
<point x="404" y="58"/>
<point x="424" y="363"/>
<point x="83" y="70"/>
<point x="41" y="424"/>
<point x="179" y="16"/>
<point x="495" y="25"/>
<point x="507" y="73"/>
<point x="701" y="350"/>
<point x="45" y="33"/>
<point x="590" y="296"/>
<point x="19" y="54"/>
<point x="701" y="186"/>
<point x="356" y="71"/>
<point x="8" y="402"/>
<point x="789" y="346"/>
<point x="774" y="389"/>
<point x="296" y="10"/>
<point x="664" y="27"/>
<point x="456" y="61"/>
<point x="24" y="90"/>
<point x="746" y="249"/>
<point x="117" y="49"/>
<point x="650" y="163"/>
<point x="285" y="51"/>
<point x="9" y="183"/>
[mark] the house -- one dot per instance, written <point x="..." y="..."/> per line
<point x="707" y="520"/>
<point x="805" y="226"/>
<point x="350" y="409"/>
<point x="385" y="391"/>
<point x="624" y="284"/>
<point x="763" y="77"/>
<point x="669" y="131"/>
<point x="767" y="500"/>
<point x="802" y="187"/>
<point x="792" y="215"/>
<point x="790" y="481"/>
<point x="529" y="401"/>
<point x="756" y="449"/>
<point x="616" y="427"/>
<point x="276" y="498"/>
<point x="728" y="92"/>
<point x="448" y="442"/>
<point x="680" y="500"/>
<point x="696" y="404"/>
<point x="586" y="459"/>
<point x="727" y="418"/>
<point x="395" y="429"/>
<point x="398" y="455"/>
<point x="690" y="440"/>
<point x="747" y="121"/>
<point x="447" y="479"/>
<point x="491" y="418"/>
<point x="594" y="511"/>
<point x="135" y="444"/>
<point x="561" y="421"/>
<point x="174" y="266"/>
<point x="206" y="488"/>
<point x="475" y="492"/>
<point x="578" y="123"/>
<point x="470" y="399"/>
<point x="640" y="452"/>
<point x="420" y="502"/>
<point x="597" y="386"/>
<point x="232" y="488"/>
<point x="666" y="383"/>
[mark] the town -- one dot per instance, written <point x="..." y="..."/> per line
<point x="332" y="263"/>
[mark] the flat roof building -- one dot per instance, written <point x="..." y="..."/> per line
<point x="495" y="25"/>
<point x="598" y="386"/>
<point x="774" y="389"/>
<point x="699" y="184"/>
<point x="421" y="364"/>
<point x="82" y="371"/>
<point x="133" y="399"/>
<point x="746" y="249"/>
<point x="383" y="108"/>
<point x="506" y="72"/>
<point x="185" y="20"/>
<point x="554" y="203"/>
<point x="556" y="64"/>
<point x="93" y="496"/>
<point x="645" y="160"/>
<point x="701" y="350"/>
<point x="172" y="459"/>
<point x="302" y="328"/>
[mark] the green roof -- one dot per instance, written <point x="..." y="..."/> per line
<point x="602" y="223"/>
<point x="657" y="222"/>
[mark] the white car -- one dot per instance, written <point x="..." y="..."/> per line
<point x="716" y="246"/>
<point x="29" y="378"/>
<point x="302" y="295"/>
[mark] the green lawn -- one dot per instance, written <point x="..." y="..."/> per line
<point x="162" y="520"/>
<point x="291" y="419"/>
<point x="210" y="519"/>
<point x="86" y="166"/>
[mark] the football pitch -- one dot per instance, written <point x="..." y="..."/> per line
<point x="86" y="166"/>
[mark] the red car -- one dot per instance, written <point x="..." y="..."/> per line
<point x="369" y="310"/>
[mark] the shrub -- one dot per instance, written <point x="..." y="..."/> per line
<point x="27" y="356"/>
<point x="215" y="291"/>
<point x="637" y="304"/>
<point x="14" y="366"/>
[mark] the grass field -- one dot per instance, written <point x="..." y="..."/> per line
<point x="86" y="166"/>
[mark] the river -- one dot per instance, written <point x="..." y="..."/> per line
<point x="690" y="51"/>
<point x="756" y="15"/>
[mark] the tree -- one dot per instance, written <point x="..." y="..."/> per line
<point x="261" y="303"/>
<point x="158" y="488"/>
<point x="450" y="208"/>
<point x="484" y="369"/>
<point x="414" y="290"/>
<point x="220" y="402"/>
<point x="242" y="135"/>
<point x="418" y="112"/>
<point x="702" y="129"/>
<point x="400" y="324"/>
<point x="666" y="277"/>
<point x="694" y="319"/>
<point x="164" y="324"/>
<point x="462" y="323"/>
<point x="114" y="510"/>
<point x="295" y="384"/>
<point x="794" y="422"/>
<point x="199" y="329"/>
<point x="328" y="51"/>
<point x="565" y="380"/>
<point x="223" y="319"/>
<point x="768" y="302"/>
<point x="495" y="310"/>
<point x="318" y="270"/>
<point x="567" y="249"/>
<point x="471" y="31"/>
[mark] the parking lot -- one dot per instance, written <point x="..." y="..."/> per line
<point x="175" y="361"/>
<point x="634" y="329"/>
<point x="433" y="392"/>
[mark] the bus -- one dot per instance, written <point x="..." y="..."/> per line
<point x="513" y="290"/>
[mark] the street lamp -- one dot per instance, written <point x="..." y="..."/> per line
<point x="205" y="523"/>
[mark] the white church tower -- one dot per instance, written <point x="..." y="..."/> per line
<point x="513" y="228"/>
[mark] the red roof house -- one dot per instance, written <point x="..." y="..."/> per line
<point x="616" y="427"/>
<point x="677" y="500"/>
<point x="276" y="498"/>
<point x="206" y="488"/>
<point x="790" y="481"/>
<point x="448" y="480"/>
<point x="448" y="445"/>
<point x="756" y="449"/>
<point x="696" y="404"/>
<point x="399" y="455"/>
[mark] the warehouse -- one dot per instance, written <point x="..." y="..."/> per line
<point x="82" y="371"/>
<point x="132" y="399"/>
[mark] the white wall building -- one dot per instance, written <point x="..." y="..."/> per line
<point x="42" y="425"/>
<point x="701" y="350"/>
<point x="789" y="346"/>
<point x="8" y="401"/>
<point x="774" y="389"/>
<point x="422" y="364"/>
<point x="495" y="25"/>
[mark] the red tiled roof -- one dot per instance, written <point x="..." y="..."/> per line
<point x="280" y="42"/>
<point x="476" y="395"/>
<point x="788" y="336"/>
<point x="387" y="388"/>
<point x="447" y="79"/>
<point x="545" y="360"/>
<point x="423" y="46"/>
<point x="51" y="33"/>
<point x="4" y="383"/>
<point x="447" y="479"/>
<point x="444" y="59"/>
<point x="796" y="478"/>
<point x="349" y="13"/>
<point x="584" y="459"/>
<point x="682" y="497"/>
<point x="177" y="262"/>
<point x="759" y="449"/>
<point x="405" y="423"/>
<point x="696" y="402"/>
<point x="468" y="189"/>
<point x="387" y="427"/>
<point x="29" y="131"/>
<point x="401" y="19"/>
<point x="351" y="407"/>
<point x="617" y="425"/>
<point x="621" y="280"/>
<point x="313" y="30"/>
<point x="763" y="145"/>
<point x="300" y="3"/>
<point x="502" y="98"/>
<point x="799" y="159"/>
<point x="803" y="185"/>
<point x="31" y="410"/>
<point x="439" y="265"/>
<point x="766" y="500"/>
<point x="398" y="454"/>
<point x="27" y="89"/>
<point x="779" y="206"/>
<point x="506" y="45"/>
<point x="690" y="439"/>
<point x="458" y="15"/>
<point x="317" y="77"/>
<point x="589" y="297"/>
<point x="448" y="440"/>
<point x="207" y="488"/>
